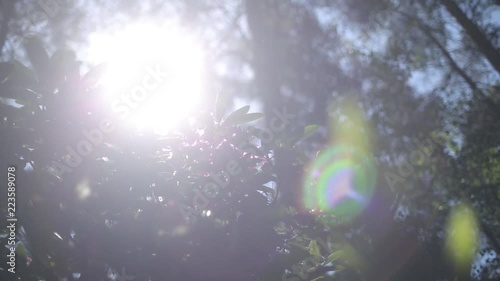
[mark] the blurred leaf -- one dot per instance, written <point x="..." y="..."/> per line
<point x="339" y="267"/>
<point x="21" y="250"/>
<point x="11" y="112"/>
<point x="136" y="214"/>
<point x="23" y="102"/>
<point x="281" y="228"/>
<point x="37" y="56"/>
<point x="92" y="77"/>
<point x="309" y="130"/>
<point x="221" y="103"/>
<point x="237" y="113"/>
<point x="314" y="250"/>
<point x="16" y="93"/>
<point x="298" y="245"/>
<point x="244" y="119"/>
<point x="262" y="178"/>
<point x="6" y="69"/>
<point x="302" y="156"/>
<point x="62" y="57"/>
<point x="334" y="256"/>
<point x="7" y="92"/>
<point x="62" y="62"/>
<point x="22" y="75"/>
<point x="298" y="251"/>
<point x="253" y="117"/>
<point x="266" y="189"/>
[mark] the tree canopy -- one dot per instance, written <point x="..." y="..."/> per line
<point x="353" y="140"/>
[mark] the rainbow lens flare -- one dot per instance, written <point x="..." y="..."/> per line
<point x="339" y="182"/>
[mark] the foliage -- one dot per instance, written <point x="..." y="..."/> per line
<point x="158" y="206"/>
<point x="416" y="68"/>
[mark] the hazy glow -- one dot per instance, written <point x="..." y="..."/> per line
<point x="83" y="190"/>
<point x="131" y="55"/>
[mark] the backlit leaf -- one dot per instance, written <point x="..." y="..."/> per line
<point x="237" y="113"/>
<point x="334" y="256"/>
<point x="314" y="250"/>
<point x="238" y="119"/>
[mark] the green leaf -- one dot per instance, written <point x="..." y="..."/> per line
<point x="21" y="250"/>
<point x="297" y="245"/>
<point x="250" y="117"/>
<point x="241" y="111"/>
<point x="314" y="250"/>
<point x="339" y="268"/>
<point x="238" y="113"/>
<point x="309" y="130"/>
<point x="281" y="228"/>
<point x="334" y="256"/>
<point x="240" y="117"/>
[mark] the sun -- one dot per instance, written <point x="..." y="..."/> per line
<point x="153" y="76"/>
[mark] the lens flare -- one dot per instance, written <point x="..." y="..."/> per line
<point x="462" y="236"/>
<point x="340" y="182"/>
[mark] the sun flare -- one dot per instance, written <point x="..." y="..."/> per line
<point x="153" y="77"/>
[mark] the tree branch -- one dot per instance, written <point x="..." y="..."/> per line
<point x="455" y="67"/>
<point x="484" y="45"/>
